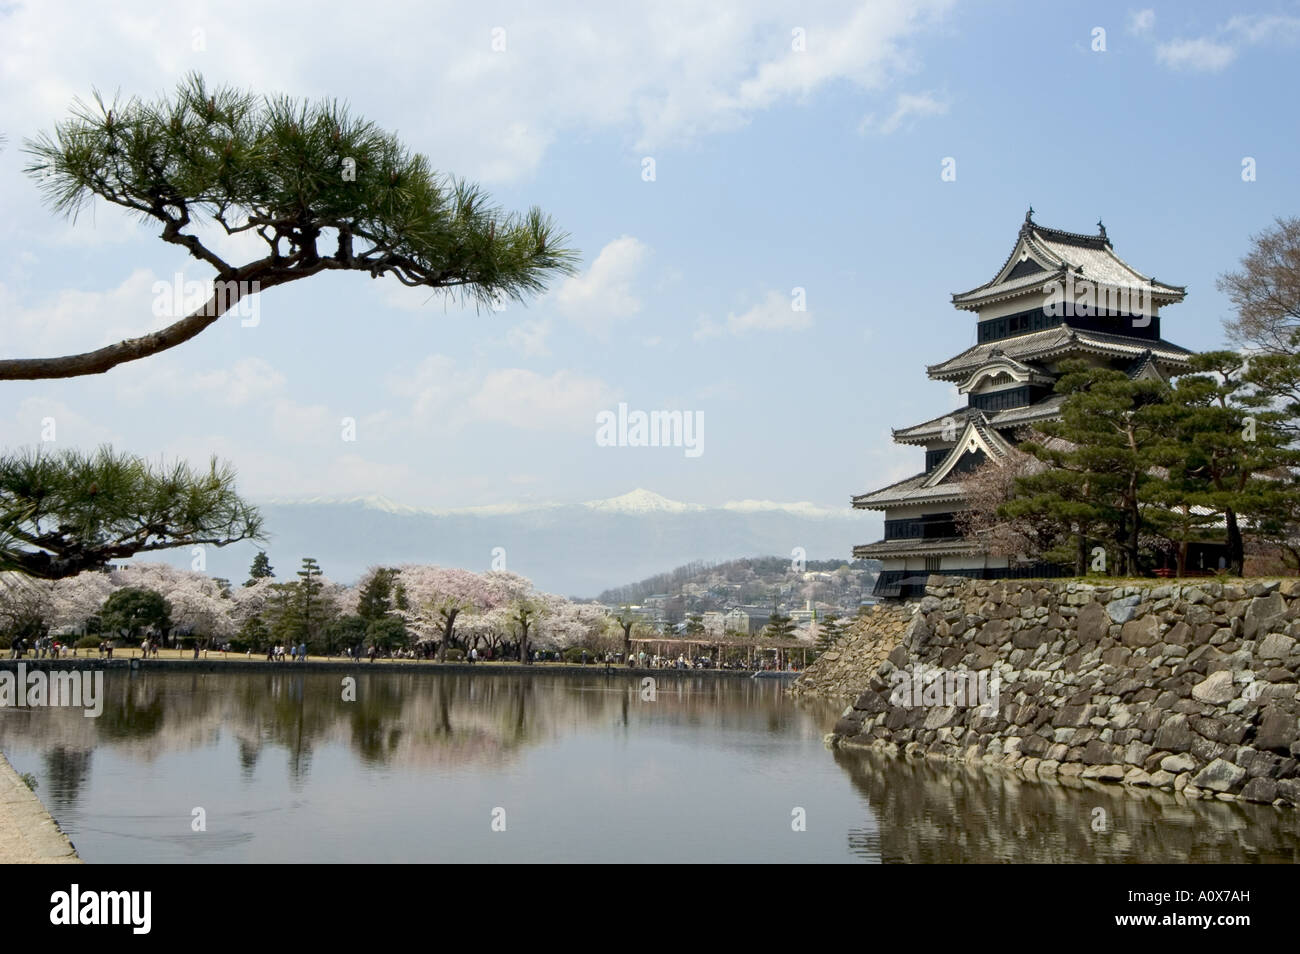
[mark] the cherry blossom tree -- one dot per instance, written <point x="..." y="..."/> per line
<point x="197" y="604"/>
<point x="78" y="599"/>
<point x="25" y="605"/>
<point x="583" y="625"/>
<point x="438" y="597"/>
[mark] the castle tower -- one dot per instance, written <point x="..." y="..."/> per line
<point x="1059" y="295"/>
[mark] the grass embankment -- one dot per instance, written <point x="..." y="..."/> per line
<point x="188" y="654"/>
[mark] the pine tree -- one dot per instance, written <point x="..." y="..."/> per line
<point x="133" y="611"/>
<point x="375" y="599"/>
<point x="283" y="613"/>
<point x="286" y="174"/>
<point x="310" y="605"/>
<point x="261" y="569"/>
<point x="65" y="512"/>
<point x="779" y="626"/>
<point x="1226" y="453"/>
<point x="1101" y="457"/>
<point x="831" y="629"/>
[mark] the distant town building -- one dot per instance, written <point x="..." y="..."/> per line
<point x="715" y="622"/>
<point x="746" y="619"/>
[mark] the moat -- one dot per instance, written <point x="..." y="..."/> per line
<point x="452" y="766"/>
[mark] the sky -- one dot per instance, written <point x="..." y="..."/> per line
<point x="717" y="165"/>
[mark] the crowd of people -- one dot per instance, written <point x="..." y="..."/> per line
<point x="43" y="647"/>
<point x="294" y="653"/>
<point x="51" y="647"/>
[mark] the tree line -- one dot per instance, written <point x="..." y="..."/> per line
<point x="1138" y="471"/>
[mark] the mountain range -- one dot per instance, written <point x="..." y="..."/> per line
<point x="574" y="549"/>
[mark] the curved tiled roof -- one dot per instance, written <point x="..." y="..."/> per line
<point x="932" y="429"/>
<point x="1091" y="257"/>
<point x="910" y="490"/>
<point x="929" y="430"/>
<point x="895" y="548"/>
<point x="1051" y="342"/>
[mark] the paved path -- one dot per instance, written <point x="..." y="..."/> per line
<point x="28" y="835"/>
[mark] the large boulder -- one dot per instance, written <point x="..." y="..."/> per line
<point x="1177" y="764"/>
<point x="1092" y="624"/>
<point x="1275" y="646"/>
<point x="1122" y="609"/>
<point x="1216" y="689"/>
<point x="1260" y="790"/>
<point x="1277" y="730"/>
<point x="1141" y="632"/>
<point x="1174" y="735"/>
<point x="1220" y="776"/>
<point x="1263" y="614"/>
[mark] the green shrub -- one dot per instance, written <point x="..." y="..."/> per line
<point x="89" y="641"/>
<point x="455" y="655"/>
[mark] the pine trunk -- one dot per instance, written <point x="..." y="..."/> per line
<point x="1236" y="547"/>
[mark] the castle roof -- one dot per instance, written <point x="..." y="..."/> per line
<point x="1043" y="255"/>
<point x="1056" y="342"/>
<point x="909" y="490"/>
<point x="888" y="548"/>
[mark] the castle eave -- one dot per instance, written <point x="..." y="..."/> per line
<point x="897" y="549"/>
<point x="1054" y="343"/>
<point x="911" y="490"/>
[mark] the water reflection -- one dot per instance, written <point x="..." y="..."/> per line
<point x="288" y="771"/>
<point x="396" y="719"/>
<point x="927" y="811"/>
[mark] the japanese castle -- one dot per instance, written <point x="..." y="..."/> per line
<point x="1058" y="295"/>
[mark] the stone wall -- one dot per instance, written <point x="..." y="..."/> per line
<point x="1186" y="687"/>
<point x="842" y="671"/>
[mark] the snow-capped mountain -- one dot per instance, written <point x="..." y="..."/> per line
<point x="574" y="549"/>
<point x="641" y="502"/>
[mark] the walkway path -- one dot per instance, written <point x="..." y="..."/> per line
<point x="28" y="835"/>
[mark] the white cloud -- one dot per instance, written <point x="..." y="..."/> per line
<point x="1141" y="21"/>
<point x="908" y="106"/>
<point x="1201" y="55"/>
<point x="564" y="401"/>
<point x="248" y="380"/>
<point x="446" y="398"/>
<point x="251" y="379"/>
<point x="662" y="72"/>
<point x="529" y="337"/>
<point x="1260" y="28"/>
<point x="30" y="425"/>
<point x="73" y="320"/>
<point x="294" y="423"/>
<point x="774" y="313"/>
<point x="1210" y="54"/>
<point x="605" y="293"/>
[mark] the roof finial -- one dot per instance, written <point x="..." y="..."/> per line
<point x="1029" y="216"/>
<point x="1101" y="228"/>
